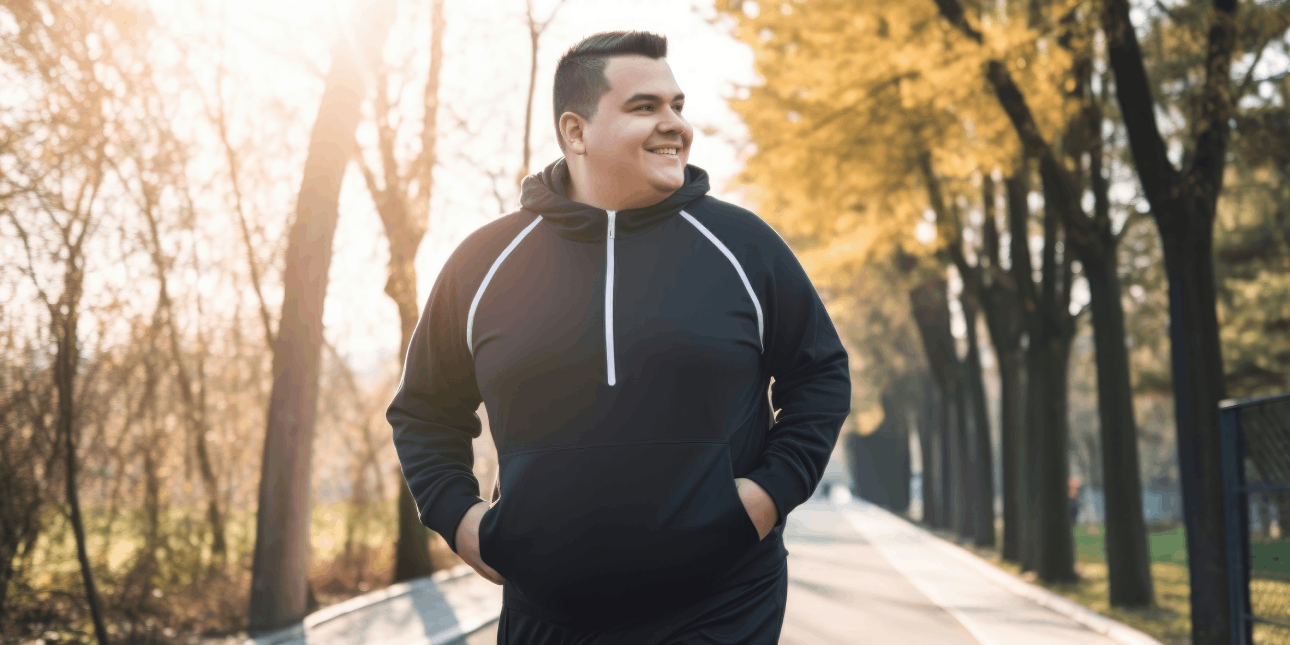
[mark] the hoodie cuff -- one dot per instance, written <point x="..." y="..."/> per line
<point x="448" y="509"/>
<point x="785" y="488"/>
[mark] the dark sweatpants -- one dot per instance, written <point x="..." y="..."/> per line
<point x="751" y="613"/>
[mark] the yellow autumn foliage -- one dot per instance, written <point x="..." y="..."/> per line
<point x="853" y="93"/>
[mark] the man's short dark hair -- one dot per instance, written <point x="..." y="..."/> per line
<point x="580" y="75"/>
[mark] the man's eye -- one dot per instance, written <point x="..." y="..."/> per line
<point x="678" y="108"/>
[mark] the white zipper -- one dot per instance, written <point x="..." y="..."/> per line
<point x="609" y="297"/>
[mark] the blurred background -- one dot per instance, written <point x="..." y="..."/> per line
<point x="219" y="221"/>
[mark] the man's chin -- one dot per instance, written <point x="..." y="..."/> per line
<point x="669" y="184"/>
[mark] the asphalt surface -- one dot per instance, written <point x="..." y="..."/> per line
<point x="860" y="575"/>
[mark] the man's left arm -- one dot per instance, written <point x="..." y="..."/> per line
<point x="812" y="387"/>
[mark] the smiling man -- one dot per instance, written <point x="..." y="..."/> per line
<point x="623" y="328"/>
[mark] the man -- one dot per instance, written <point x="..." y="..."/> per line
<point x="1074" y="485"/>
<point x="622" y="329"/>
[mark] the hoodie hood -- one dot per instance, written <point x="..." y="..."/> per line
<point x="544" y="193"/>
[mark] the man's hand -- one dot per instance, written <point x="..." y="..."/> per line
<point x="468" y="542"/>
<point x="760" y="507"/>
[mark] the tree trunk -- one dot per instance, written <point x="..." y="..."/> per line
<point x="874" y="457"/>
<point x="1051" y="330"/>
<point x="927" y="448"/>
<point x="900" y="436"/>
<point x="964" y="457"/>
<point x="535" y="32"/>
<point x="279" y="570"/>
<point x="949" y="492"/>
<point x="405" y="227"/>
<point x="66" y="363"/>
<point x="1198" y="387"/>
<point x="1128" y="559"/>
<point x="1006" y="318"/>
<point x="929" y="302"/>
<point x="1183" y="203"/>
<point x="982" y="447"/>
<point x="893" y="436"/>
<point x="1056" y="552"/>
<point x="942" y="352"/>
<point x="194" y="408"/>
<point x="153" y="447"/>
<point x="1031" y="403"/>
<point x="1036" y="376"/>
<point x="900" y="487"/>
<point x="1011" y="426"/>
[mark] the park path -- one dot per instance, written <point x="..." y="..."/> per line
<point x="857" y="574"/>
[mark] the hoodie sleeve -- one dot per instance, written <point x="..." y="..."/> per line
<point x="433" y="412"/>
<point x="812" y="387"/>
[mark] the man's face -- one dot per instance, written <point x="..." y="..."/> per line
<point x="638" y="122"/>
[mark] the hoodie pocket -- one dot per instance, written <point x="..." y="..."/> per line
<point x="616" y="528"/>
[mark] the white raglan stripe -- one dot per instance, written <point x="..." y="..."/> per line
<point x="470" y="319"/>
<point x="609" y="297"/>
<point x="761" y="340"/>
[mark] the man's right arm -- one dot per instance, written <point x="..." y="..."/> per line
<point x="433" y="412"/>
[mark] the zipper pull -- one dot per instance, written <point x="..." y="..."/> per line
<point x="611" y="223"/>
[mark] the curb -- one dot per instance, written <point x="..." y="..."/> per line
<point x="1109" y="627"/>
<point x="380" y="595"/>
<point x="298" y="633"/>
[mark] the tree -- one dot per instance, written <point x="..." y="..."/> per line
<point x="872" y="316"/>
<point x="1001" y="302"/>
<point x="1183" y="203"/>
<point x="1093" y="241"/>
<point x="402" y="198"/>
<point x="1252" y="226"/>
<point x="1050" y="328"/>
<point x="536" y="28"/>
<point x="59" y="165"/>
<point x="858" y="115"/>
<point x="929" y="302"/>
<point x="282" y="520"/>
<point x="971" y="388"/>
<point x="150" y="176"/>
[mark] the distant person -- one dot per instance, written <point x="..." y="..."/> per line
<point x="1073" y="487"/>
<point x="622" y="328"/>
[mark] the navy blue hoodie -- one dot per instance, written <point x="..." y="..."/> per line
<point x="625" y="362"/>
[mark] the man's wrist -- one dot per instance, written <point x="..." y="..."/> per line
<point x="445" y="517"/>
<point x="469" y="523"/>
<point x="759" y="505"/>
<point x="768" y="484"/>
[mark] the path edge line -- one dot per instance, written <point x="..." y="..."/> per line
<point x="1102" y="624"/>
<point x="297" y="633"/>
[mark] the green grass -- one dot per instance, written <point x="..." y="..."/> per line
<point x="1269" y="572"/>
<point x="1167" y="544"/>
<point x="1169" y="620"/>
<point x="1270" y="558"/>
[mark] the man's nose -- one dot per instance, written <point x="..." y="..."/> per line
<point x="671" y="123"/>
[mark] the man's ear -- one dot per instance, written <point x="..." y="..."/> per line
<point x="572" y="128"/>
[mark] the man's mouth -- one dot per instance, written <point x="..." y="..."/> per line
<point x="671" y="152"/>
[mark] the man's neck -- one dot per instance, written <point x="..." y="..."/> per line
<point x="614" y="203"/>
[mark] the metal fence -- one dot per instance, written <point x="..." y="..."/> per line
<point x="1256" y="489"/>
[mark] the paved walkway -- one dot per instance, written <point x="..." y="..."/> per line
<point x="857" y="574"/>
<point x="439" y="610"/>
